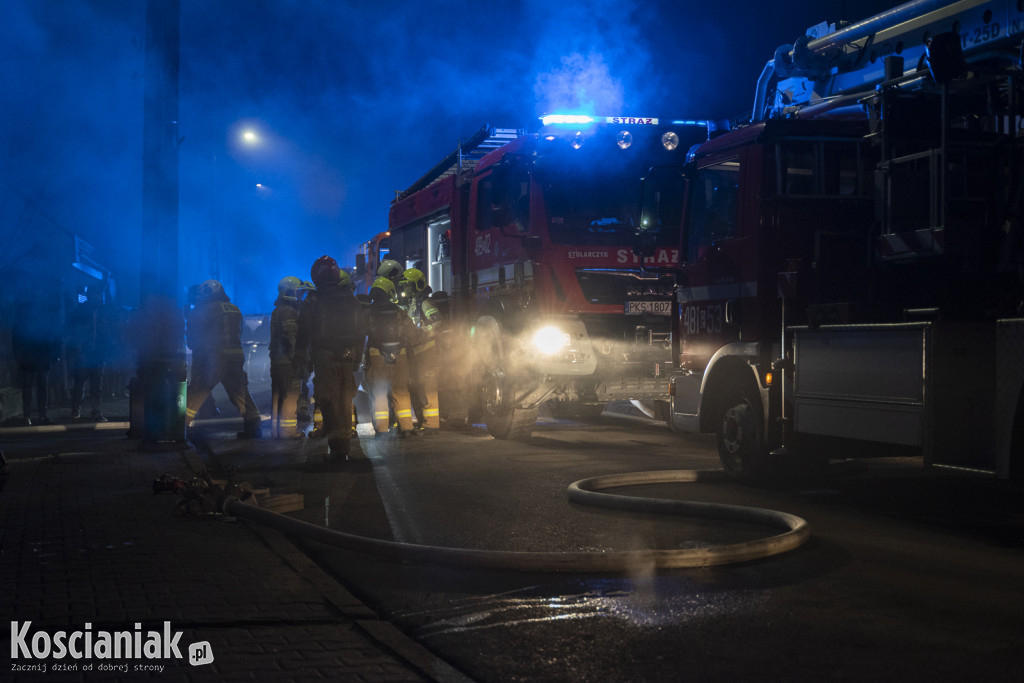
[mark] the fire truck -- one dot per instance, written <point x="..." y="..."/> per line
<point x="553" y="295"/>
<point x="368" y="259"/>
<point x="851" y="261"/>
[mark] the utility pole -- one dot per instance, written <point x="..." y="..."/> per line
<point x="161" y="365"/>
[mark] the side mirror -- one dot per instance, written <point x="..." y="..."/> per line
<point x="360" y="264"/>
<point x="521" y="213"/>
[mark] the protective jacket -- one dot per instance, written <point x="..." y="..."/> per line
<point x="284" y="329"/>
<point x="332" y="321"/>
<point x="391" y="329"/>
<point x="213" y="326"/>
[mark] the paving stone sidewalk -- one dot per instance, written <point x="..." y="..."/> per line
<point x="86" y="544"/>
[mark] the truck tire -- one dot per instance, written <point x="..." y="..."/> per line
<point x="513" y="424"/>
<point x="504" y="420"/>
<point x="741" y="446"/>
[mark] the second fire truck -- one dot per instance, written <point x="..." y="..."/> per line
<point x="852" y="259"/>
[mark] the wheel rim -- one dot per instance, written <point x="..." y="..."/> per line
<point x="492" y="390"/>
<point x="737" y="427"/>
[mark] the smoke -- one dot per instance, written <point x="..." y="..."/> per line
<point x="582" y="85"/>
<point x="354" y="101"/>
<point x="593" y="58"/>
<point x="70" y="134"/>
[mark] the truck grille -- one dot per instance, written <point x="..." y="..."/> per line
<point x="615" y="286"/>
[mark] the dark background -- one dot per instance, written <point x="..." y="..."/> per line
<point x="351" y="101"/>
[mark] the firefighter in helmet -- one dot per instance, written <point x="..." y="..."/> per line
<point x="391" y="334"/>
<point x="332" y="328"/>
<point x="391" y="269"/>
<point x="423" y="358"/>
<point x="285" y="376"/>
<point x="214" y="333"/>
<point x="318" y="431"/>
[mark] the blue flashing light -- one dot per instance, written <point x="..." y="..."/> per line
<point x="575" y="119"/>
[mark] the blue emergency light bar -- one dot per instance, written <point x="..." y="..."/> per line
<point x="579" y="119"/>
<point x="573" y="119"/>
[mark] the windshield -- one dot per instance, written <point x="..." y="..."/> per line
<point x="592" y="199"/>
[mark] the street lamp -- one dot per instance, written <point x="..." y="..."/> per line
<point x="246" y="137"/>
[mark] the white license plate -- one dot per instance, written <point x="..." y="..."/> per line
<point x="655" y="307"/>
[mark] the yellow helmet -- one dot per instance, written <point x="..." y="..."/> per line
<point x="384" y="286"/>
<point x="416" y="278"/>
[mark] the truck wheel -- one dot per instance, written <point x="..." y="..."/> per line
<point x="740" y="443"/>
<point x="503" y="419"/>
<point x="514" y="424"/>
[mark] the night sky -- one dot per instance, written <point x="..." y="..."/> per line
<point x="351" y="101"/>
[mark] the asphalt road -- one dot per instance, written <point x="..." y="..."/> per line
<point x="909" y="575"/>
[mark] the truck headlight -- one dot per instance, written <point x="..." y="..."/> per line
<point x="549" y="340"/>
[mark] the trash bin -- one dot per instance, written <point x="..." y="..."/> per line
<point x="163" y="400"/>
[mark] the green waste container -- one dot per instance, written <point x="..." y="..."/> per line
<point x="163" y="405"/>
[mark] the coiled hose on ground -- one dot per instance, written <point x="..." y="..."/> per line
<point x="587" y="492"/>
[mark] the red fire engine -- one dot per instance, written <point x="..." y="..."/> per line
<point x="851" y="265"/>
<point x="533" y="236"/>
<point x="368" y="259"/>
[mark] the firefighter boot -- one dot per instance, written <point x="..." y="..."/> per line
<point x="253" y="429"/>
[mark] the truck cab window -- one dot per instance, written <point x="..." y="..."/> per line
<point x="800" y="170"/>
<point x="815" y="168"/>
<point x="713" y="207"/>
<point x="484" y="203"/>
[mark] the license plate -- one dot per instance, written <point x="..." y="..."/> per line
<point x="654" y="307"/>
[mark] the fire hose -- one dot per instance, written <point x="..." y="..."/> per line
<point x="584" y="491"/>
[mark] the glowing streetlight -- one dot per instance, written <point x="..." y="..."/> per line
<point x="250" y="137"/>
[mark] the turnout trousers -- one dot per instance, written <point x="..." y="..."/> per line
<point x="284" y="392"/>
<point x="389" y="378"/>
<point x="424" y="385"/>
<point x="334" y="386"/>
<point x="226" y="368"/>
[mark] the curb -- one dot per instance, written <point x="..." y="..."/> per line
<point x="385" y="634"/>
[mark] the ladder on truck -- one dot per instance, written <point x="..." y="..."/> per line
<point x="464" y="157"/>
<point x="827" y="63"/>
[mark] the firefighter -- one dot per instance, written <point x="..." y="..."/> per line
<point x="423" y="358"/>
<point x="391" y="269"/>
<point x="214" y="333"/>
<point x="285" y="375"/>
<point x="391" y="333"/>
<point x="332" y="328"/>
